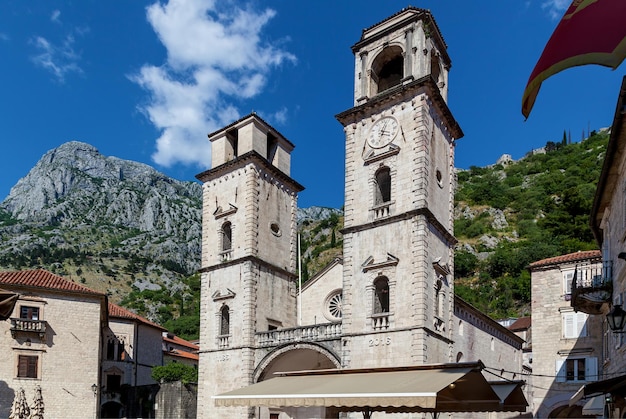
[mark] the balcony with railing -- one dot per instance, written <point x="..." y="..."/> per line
<point x="28" y="326"/>
<point x="592" y="287"/>
<point x="318" y="332"/>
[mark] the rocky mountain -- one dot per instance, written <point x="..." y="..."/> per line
<point x="110" y="223"/>
<point x="118" y="226"/>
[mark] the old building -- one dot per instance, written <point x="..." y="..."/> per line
<point x="603" y="297"/>
<point x="389" y="301"/>
<point x="89" y="357"/>
<point x="132" y="345"/>
<point x="567" y="344"/>
<point x="177" y="349"/>
<point x="52" y="340"/>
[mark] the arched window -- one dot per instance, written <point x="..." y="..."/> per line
<point x="227" y="237"/>
<point x="383" y="186"/>
<point x="381" y="295"/>
<point x="387" y="69"/>
<point x="435" y="66"/>
<point x="225" y="321"/>
<point x="459" y="357"/>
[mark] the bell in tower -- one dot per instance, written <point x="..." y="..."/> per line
<point x="406" y="47"/>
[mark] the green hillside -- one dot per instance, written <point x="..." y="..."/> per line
<point x="546" y="200"/>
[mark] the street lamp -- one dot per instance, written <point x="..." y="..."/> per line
<point x="616" y="319"/>
<point x="94" y="388"/>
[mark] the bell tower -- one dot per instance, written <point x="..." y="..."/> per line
<point x="399" y="185"/>
<point x="249" y="251"/>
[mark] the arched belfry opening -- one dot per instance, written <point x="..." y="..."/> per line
<point x="387" y="69"/>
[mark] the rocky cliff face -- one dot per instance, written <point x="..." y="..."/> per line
<point x="114" y="225"/>
<point x="102" y="208"/>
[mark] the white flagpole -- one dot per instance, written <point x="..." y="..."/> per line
<point x="299" y="302"/>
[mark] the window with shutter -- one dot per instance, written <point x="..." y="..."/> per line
<point x="27" y="366"/>
<point x="574" y="325"/>
<point x="576" y="369"/>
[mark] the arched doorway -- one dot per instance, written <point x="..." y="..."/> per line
<point x="296" y="357"/>
<point x="112" y="410"/>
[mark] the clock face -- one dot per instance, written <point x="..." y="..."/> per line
<point x="382" y="132"/>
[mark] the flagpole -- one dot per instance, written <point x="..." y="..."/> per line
<point x="299" y="302"/>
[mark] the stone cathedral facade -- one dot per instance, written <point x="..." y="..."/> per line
<point x="390" y="300"/>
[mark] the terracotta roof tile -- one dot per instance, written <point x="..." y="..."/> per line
<point x="571" y="257"/>
<point x="180" y="341"/>
<point x="182" y="354"/>
<point x="522" y="323"/>
<point x="116" y="311"/>
<point x="40" y="278"/>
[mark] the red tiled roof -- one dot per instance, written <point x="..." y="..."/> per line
<point x="40" y="278"/>
<point x="179" y="341"/>
<point x="122" y="313"/>
<point x="522" y="323"/>
<point x="181" y="354"/>
<point x="571" y="257"/>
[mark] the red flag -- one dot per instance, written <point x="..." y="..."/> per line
<point x="590" y="32"/>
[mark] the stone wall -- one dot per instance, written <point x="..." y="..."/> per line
<point x="176" y="400"/>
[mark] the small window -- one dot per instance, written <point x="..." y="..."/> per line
<point x="333" y="305"/>
<point x="30" y="313"/>
<point x="383" y="186"/>
<point x="227" y="237"/>
<point x="225" y="321"/>
<point x="574" y="325"/>
<point x="27" y="366"/>
<point x="111" y="349"/>
<point x="577" y="369"/>
<point x="121" y="351"/>
<point x="114" y="382"/>
<point x="381" y="297"/>
<point x="275" y="228"/>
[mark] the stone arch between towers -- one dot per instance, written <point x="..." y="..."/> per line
<point x="296" y="357"/>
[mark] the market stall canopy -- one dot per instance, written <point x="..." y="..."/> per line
<point x="7" y="302"/>
<point x="459" y="387"/>
<point x="594" y="406"/>
<point x="616" y="385"/>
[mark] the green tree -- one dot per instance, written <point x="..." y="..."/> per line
<point x="175" y="371"/>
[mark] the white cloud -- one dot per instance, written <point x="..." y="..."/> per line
<point x="58" y="59"/>
<point x="215" y="57"/>
<point x="556" y="8"/>
<point x="55" y="16"/>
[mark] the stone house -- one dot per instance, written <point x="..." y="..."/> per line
<point x="388" y="303"/>
<point x="132" y="345"/>
<point x="176" y="349"/>
<point x="90" y="358"/>
<point x="53" y="339"/>
<point x="567" y="344"/>
<point x="604" y="296"/>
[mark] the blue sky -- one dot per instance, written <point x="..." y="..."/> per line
<point x="146" y="81"/>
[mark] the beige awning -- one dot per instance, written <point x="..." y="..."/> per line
<point x="443" y="387"/>
<point x="615" y="385"/>
<point x="594" y="406"/>
<point x="7" y="302"/>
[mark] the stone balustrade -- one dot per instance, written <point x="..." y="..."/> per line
<point x="326" y="331"/>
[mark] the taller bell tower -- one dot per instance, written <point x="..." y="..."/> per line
<point x="399" y="179"/>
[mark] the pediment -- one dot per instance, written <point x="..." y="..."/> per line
<point x="219" y="212"/>
<point x="370" y="263"/>
<point x="373" y="156"/>
<point x="223" y="295"/>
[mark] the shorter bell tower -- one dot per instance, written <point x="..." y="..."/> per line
<point x="249" y="251"/>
